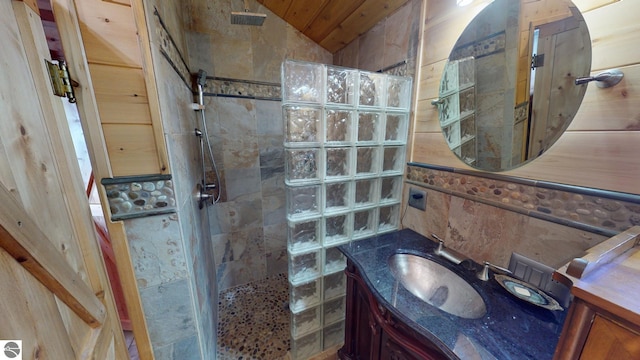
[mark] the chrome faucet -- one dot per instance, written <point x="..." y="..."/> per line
<point x="449" y="254"/>
<point x="484" y="273"/>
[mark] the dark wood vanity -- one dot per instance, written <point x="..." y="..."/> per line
<point x="372" y="332"/>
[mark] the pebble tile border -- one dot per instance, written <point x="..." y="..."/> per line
<point x="138" y="196"/>
<point x="243" y="89"/>
<point x="599" y="211"/>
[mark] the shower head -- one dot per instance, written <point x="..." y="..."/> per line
<point x="246" y="17"/>
<point x="201" y="77"/>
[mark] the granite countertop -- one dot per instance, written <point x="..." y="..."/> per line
<point x="511" y="328"/>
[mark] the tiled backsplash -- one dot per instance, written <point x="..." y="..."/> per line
<point x="138" y="196"/>
<point x="598" y="211"/>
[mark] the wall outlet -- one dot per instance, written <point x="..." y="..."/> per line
<point x="417" y="198"/>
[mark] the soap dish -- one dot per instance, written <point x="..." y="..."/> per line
<point x="527" y="292"/>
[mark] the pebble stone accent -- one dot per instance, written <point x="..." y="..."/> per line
<point x="481" y="48"/>
<point x="243" y="89"/>
<point x="253" y="320"/>
<point x="170" y="51"/>
<point x="596" y="211"/>
<point x="137" y="198"/>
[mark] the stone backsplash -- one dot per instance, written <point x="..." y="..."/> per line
<point x="598" y="211"/>
<point x="138" y="196"/>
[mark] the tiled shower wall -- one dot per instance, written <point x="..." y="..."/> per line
<point x="245" y="125"/>
<point x="172" y="254"/>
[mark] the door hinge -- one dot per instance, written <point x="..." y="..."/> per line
<point x="537" y="61"/>
<point x="60" y="82"/>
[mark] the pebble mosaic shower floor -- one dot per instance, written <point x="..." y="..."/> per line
<point x="254" y="321"/>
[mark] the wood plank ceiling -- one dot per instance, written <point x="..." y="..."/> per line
<point x="332" y="24"/>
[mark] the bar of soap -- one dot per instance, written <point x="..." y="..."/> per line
<point x="522" y="291"/>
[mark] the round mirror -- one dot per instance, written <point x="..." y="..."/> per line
<point x="508" y="90"/>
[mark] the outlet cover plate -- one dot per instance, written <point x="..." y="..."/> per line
<point x="417" y="198"/>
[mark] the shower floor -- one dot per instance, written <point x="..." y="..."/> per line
<point x="253" y="321"/>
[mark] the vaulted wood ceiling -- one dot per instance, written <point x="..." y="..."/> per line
<point x="333" y="23"/>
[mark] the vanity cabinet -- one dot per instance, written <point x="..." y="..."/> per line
<point x="372" y="332"/>
<point x="604" y="318"/>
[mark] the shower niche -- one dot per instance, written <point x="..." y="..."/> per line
<point x="345" y="138"/>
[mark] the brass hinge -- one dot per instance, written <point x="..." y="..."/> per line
<point x="60" y="81"/>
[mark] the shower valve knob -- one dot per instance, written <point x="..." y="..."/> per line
<point x="196" y="106"/>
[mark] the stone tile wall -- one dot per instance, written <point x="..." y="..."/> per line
<point x="248" y="225"/>
<point x="487" y="218"/>
<point x="393" y="40"/>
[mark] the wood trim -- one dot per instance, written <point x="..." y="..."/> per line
<point x="604" y="253"/>
<point x="33" y="4"/>
<point x="151" y="84"/>
<point x="22" y="238"/>
<point x="68" y="24"/>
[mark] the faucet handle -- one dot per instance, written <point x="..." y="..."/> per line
<point x="484" y="273"/>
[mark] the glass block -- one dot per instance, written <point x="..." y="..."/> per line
<point x="368" y="127"/>
<point x="306" y="321"/>
<point x="338" y="162"/>
<point x="304" y="266"/>
<point x="393" y="160"/>
<point x="334" y="260"/>
<point x="365" y="192"/>
<point x="340" y="86"/>
<point x="334" y="310"/>
<point x="388" y="218"/>
<point x="305" y="296"/>
<point x="338" y="126"/>
<point x="398" y="92"/>
<point x="303" y="235"/>
<point x="451" y="133"/>
<point x="302" y="82"/>
<point x="306" y="346"/>
<point x="337" y="196"/>
<point x="449" y="81"/>
<point x="336" y="230"/>
<point x="302" y="165"/>
<point x="467" y="101"/>
<point x="372" y="89"/>
<point x="468" y="152"/>
<point x="334" y="285"/>
<point x="364" y="223"/>
<point x="367" y="161"/>
<point x="467" y="128"/>
<point x="333" y="335"/>
<point x="302" y="201"/>
<point x="449" y="110"/>
<point x="302" y="125"/>
<point x="466" y="72"/>
<point x="396" y="128"/>
<point x="390" y="189"/>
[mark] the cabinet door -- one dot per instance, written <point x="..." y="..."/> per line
<point x="392" y="350"/>
<point x="609" y="340"/>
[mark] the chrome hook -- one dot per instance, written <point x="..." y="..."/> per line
<point x="604" y="79"/>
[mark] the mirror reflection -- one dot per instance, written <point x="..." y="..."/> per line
<point x="507" y="92"/>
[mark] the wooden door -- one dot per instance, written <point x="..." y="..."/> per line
<point x="56" y="297"/>
<point x="551" y="114"/>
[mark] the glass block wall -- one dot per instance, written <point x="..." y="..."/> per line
<point x="345" y="137"/>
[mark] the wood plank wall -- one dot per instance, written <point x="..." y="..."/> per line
<point x="125" y="93"/>
<point x="600" y="148"/>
